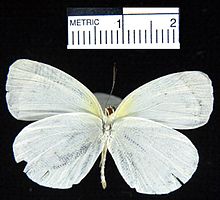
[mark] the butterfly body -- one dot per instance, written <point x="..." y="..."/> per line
<point x="72" y="128"/>
<point x="107" y="134"/>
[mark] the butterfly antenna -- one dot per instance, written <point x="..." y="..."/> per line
<point x="113" y="82"/>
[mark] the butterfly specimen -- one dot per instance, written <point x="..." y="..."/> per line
<point x="72" y="129"/>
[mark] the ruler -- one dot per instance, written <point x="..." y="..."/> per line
<point x="123" y="28"/>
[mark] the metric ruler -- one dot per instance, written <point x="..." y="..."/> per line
<point x="123" y="28"/>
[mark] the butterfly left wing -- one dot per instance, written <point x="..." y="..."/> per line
<point x="181" y="100"/>
<point x="36" y="90"/>
<point x="60" y="150"/>
<point x="152" y="158"/>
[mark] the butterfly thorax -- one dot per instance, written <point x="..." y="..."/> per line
<point x="108" y="118"/>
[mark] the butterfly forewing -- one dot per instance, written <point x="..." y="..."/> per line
<point x="181" y="100"/>
<point x="36" y="90"/>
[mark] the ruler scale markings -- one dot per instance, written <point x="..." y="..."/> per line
<point x="128" y="28"/>
<point x="139" y="36"/>
<point x="151" y="37"/>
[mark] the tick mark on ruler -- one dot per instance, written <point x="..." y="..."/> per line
<point x="162" y="35"/>
<point x="94" y="34"/>
<point x="78" y="38"/>
<point x="168" y="35"/>
<point x="73" y="37"/>
<point x="128" y="36"/>
<point x="173" y="35"/>
<point x="117" y="36"/>
<point x="139" y="36"/>
<point x="145" y="36"/>
<point x="134" y="36"/>
<point x="111" y="37"/>
<point x="123" y="29"/>
<point x="89" y="37"/>
<point x="156" y="36"/>
<point x="151" y="26"/>
<point x="100" y="32"/>
<point x="106" y="37"/>
<point x="84" y="37"/>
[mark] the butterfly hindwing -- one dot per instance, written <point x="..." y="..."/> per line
<point x="59" y="150"/>
<point x="152" y="158"/>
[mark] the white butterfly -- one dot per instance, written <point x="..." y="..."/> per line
<point x="61" y="148"/>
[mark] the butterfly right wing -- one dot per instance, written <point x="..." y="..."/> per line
<point x="60" y="150"/>
<point x="36" y="91"/>
<point x="151" y="157"/>
<point x="181" y="100"/>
